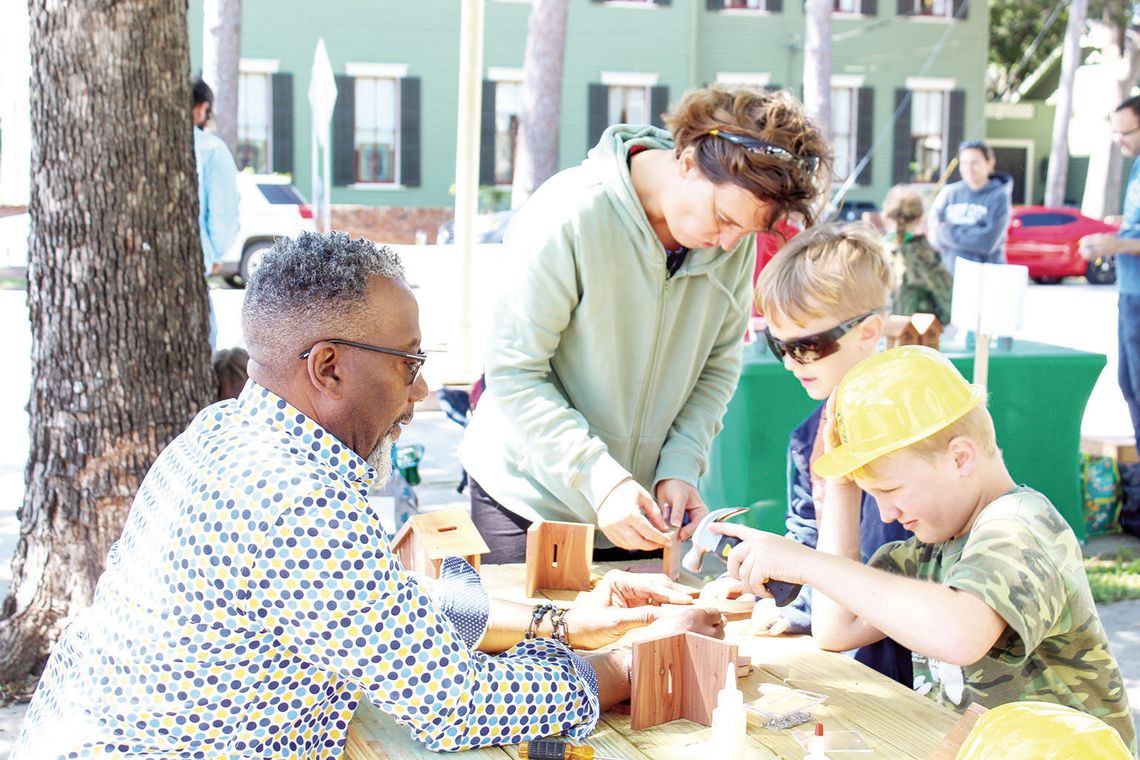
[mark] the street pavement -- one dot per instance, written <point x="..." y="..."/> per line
<point x="1073" y="314"/>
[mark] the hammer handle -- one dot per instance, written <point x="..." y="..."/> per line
<point x="782" y="592"/>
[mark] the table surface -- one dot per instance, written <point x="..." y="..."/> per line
<point x="895" y="721"/>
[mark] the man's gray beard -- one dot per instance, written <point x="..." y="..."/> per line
<point x="381" y="460"/>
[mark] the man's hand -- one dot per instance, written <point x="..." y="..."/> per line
<point x="629" y="517"/>
<point x="1098" y="245"/>
<point x="677" y="498"/>
<point x="703" y="620"/>
<point x="760" y="557"/>
<point x="619" y="588"/>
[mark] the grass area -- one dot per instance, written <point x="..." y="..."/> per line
<point x="1114" y="577"/>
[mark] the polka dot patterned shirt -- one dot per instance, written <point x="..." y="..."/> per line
<point x="253" y="600"/>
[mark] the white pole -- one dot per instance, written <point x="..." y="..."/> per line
<point x="467" y="167"/>
<point x="315" y="184"/>
<point x="326" y="188"/>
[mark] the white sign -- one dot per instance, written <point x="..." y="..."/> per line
<point x="989" y="298"/>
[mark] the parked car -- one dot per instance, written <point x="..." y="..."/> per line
<point x="270" y="208"/>
<point x="1045" y="239"/>
<point x="489" y="228"/>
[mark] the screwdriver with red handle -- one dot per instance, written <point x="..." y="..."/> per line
<point x="556" y="749"/>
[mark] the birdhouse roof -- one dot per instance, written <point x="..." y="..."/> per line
<point x="444" y="533"/>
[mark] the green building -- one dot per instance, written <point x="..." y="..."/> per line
<point x="396" y="66"/>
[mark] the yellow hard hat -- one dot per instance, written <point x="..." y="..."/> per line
<point x="1041" y="731"/>
<point x="889" y="401"/>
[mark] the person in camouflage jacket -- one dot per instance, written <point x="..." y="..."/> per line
<point x="924" y="283"/>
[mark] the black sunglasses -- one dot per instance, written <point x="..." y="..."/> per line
<point x="416" y="360"/>
<point x="809" y="348"/>
<point x="753" y="145"/>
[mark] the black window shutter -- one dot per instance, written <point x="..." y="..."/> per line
<point x="410" y="131"/>
<point x="906" y="7"/>
<point x="281" y="86"/>
<point x="714" y="5"/>
<point x="487" y="135"/>
<point x="343" y="128"/>
<point x="955" y="123"/>
<point x="864" y="131"/>
<point x="658" y="104"/>
<point x="663" y="2"/>
<point x="597" y="112"/>
<point x="961" y="9"/>
<point x="774" y="6"/>
<point x="869" y="8"/>
<point x="903" y="149"/>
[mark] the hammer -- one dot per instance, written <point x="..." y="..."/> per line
<point x="704" y="540"/>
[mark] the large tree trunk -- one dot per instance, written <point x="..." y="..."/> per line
<point x="120" y="356"/>
<point x="817" y="62"/>
<point x="1121" y="58"/>
<point x="1059" y="151"/>
<point x="221" y="58"/>
<point x="536" y="157"/>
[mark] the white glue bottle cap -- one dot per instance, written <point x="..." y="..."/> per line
<point x="729" y="696"/>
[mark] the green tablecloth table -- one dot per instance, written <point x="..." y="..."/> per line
<point x="1038" y="394"/>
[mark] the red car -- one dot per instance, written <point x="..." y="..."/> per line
<point x="1045" y="240"/>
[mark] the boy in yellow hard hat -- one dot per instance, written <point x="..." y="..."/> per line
<point x="990" y="594"/>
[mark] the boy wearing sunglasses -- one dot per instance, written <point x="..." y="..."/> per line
<point x="824" y="296"/>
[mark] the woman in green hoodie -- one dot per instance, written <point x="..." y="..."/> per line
<point x="616" y="340"/>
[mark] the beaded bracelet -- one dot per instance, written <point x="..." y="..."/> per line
<point x="558" y="628"/>
<point x="536" y="617"/>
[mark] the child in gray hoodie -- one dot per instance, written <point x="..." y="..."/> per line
<point x="969" y="218"/>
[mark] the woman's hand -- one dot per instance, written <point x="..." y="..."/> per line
<point x="619" y="588"/>
<point x="678" y="498"/>
<point x="630" y="518"/>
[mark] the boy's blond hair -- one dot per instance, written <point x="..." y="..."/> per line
<point x="826" y="270"/>
<point x="976" y="424"/>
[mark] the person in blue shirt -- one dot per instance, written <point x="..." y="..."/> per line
<point x="1125" y="247"/>
<point x="217" y="187"/>
<point x="970" y="218"/>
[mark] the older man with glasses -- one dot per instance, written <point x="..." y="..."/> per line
<point x="253" y="597"/>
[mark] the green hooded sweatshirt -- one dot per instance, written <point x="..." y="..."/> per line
<point x="599" y="366"/>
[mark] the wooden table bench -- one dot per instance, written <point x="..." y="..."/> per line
<point x="895" y="721"/>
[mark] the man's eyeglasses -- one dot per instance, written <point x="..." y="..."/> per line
<point x="415" y="361"/>
<point x="1122" y="135"/>
<point x="753" y="145"/>
<point x="809" y="348"/>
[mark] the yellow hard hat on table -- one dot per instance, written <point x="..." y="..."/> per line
<point x="890" y="400"/>
<point x="1041" y="731"/>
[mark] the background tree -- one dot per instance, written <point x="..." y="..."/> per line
<point x="817" y="62"/>
<point x="120" y="355"/>
<point x="1059" y="148"/>
<point x="221" y="56"/>
<point x="1115" y="36"/>
<point x="1023" y="35"/>
<point x="536" y="155"/>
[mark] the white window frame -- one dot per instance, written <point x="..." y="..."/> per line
<point x="848" y="85"/>
<point x="501" y="75"/>
<point x="265" y="67"/>
<point x="916" y="15"/>
<point x="391" y="71"/>
<point x="945" y="129"/>
<point x="756" y="80"/>
<point x="762" y="8"/>
<point x="846" y="14"/>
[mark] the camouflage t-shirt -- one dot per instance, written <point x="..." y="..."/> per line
<point x="1023" y="560"/>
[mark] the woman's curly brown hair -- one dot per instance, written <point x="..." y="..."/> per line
<point x="778" y="119"/>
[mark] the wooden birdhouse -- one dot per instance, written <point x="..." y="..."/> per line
<point x="427" y="538"/>
<point x="678" y="676"/>
<point x="558" y="556"/>
<point x="913" y="330"/>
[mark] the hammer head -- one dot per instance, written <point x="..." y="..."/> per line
<point x="704" y="540"/>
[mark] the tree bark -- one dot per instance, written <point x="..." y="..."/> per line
<point x="536" y="156"/>
<point x="221" y="58"/>
<point x="1121" y="57"/>
<point x="116" y="298"/>
<point x="817" y="62"/>
<point x="1059" y="151"/>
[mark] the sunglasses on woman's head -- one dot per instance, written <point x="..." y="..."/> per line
<point x="809" y="348"/>
<point x="753" y="145"/>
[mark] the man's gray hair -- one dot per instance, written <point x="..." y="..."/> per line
<point x="308" y="289"/>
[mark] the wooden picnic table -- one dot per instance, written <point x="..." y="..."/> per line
<point x="894" y="720"/>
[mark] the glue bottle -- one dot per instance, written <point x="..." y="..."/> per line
<point x="817" y="745"/>
<point x="729" y="721"/>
